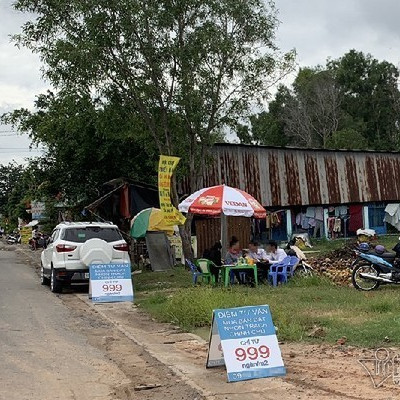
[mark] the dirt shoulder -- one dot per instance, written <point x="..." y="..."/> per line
<point x="149" y="352"/>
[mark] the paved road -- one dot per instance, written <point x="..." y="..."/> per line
<point x="41" y="355"/>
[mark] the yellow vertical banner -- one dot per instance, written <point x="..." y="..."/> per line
<point x="166" y="168"/>
<point x="26" y="234"/>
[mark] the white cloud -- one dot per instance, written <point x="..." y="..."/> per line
<point x="20" y="82"/>
<point x="319" y="29"/>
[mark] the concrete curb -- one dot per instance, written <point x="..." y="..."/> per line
<point x="206" y="394"/>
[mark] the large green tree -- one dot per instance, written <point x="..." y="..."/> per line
<point x="188" y="68"/>
<point x="370" y="97"/>
<point x="352" y="102"/>
<point x="313" y="113"/>
<point x="85" y="145"/>
<point x="9" y="175"/>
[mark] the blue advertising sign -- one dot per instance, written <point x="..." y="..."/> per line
<point x="38" y="210"/>
<point x="249" y="343"/>
<point x="111" y="282"/>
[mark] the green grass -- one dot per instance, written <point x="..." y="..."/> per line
<point x="366" y="319"/>
<point x="369" y="319"/>
<point x="178" y="277"/>
<point x="323" y="246"/>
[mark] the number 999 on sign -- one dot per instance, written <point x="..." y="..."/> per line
<point x="252" y="353"/>
<point x="112" y="288"/>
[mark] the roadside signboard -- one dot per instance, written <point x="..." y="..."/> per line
<point x="26" y="234"/>
<point x="215" y="357"/>
<point x="248" y="341"/>
<point x="38" y="210"/>
<point x="166" y="168"/>
<point x="110" y="283"/>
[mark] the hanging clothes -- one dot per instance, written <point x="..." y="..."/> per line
<point x="124" y="202"/>
<point x="268" y="221"/>
<point x="275" y="219"/>
<point x="337" y="225"/>
<point x="319" y="214"/>
<point x="392" y="215"/>
<point x="299" y="219"/>
<point x="331" y="224"/>
<point x="343" y="210"/>
<point x="310" y="212"/>
<point x="319" y="228"/>
<point x="304" y="222"/>
<point x="356" y="217"/>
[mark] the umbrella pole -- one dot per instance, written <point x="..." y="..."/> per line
<point x="224" y="233"/>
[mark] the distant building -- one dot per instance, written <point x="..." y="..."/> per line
<point x="122" y="200"/>
<point x="350" y="188"/>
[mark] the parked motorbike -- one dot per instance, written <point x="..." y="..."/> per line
<point x="13" y="238"/>
<point x="375" y="267"/>
<point x="39" y="242"/>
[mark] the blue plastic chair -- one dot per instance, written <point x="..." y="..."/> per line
<point x="288" y="269"/>
<point x="278" y="271"/>
<point x="195" y="272"/>
<point x="291" y="266"/>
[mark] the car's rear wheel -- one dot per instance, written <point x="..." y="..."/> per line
<point x="43" y="279"/>
<point x="55" y="284"/>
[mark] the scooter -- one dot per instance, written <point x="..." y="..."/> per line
<point x="37" y="243"/>
<point x="13" y="238"/>
<point x="372" y="269"/>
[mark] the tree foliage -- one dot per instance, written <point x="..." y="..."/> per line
<point x="182" y="71"/>
<point x="352" y="102"/>
<point x="86" y="146"/>
<point x="186" y="67"/>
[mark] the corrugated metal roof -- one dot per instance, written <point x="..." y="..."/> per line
<point x="289" y="176"/>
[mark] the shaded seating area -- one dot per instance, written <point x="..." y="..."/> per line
<point x="279" y="273"/>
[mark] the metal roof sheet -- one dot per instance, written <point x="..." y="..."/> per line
<point x="289" y="176"/>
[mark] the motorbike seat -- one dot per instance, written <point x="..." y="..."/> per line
<point x="388" y="256"/>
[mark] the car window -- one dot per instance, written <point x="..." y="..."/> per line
<point x="81" y="235"/>
<point x="54" y="235"/>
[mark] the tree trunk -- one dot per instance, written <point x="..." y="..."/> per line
<point x="185" y="231"/>
<point x="186" y="236"/>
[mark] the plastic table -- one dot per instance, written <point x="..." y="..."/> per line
<point x="226" y="269"/>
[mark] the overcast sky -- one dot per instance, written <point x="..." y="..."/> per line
<point x="317" y="29"/>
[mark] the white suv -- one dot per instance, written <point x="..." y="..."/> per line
<point x="73" y="246"/>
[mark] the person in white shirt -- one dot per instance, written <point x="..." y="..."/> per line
<point x="274" y="253"/>
<point x="260" y="257"/>
<point x="256" y="253"/>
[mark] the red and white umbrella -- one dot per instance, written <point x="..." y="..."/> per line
<point x="222" y="199"/>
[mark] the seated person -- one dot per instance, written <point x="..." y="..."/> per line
<point x="274" y="253"/>
<point x="234" y="253"/>
<point x="214" y="255"/>
<point x="260" y="258"/>
<point x="232" y="258"/>
<point x="256" y="253"/>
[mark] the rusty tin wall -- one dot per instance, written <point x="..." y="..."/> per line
<point x="287" y="177"/>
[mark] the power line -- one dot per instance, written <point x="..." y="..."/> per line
<point x="20" y="151"/>
<point x="16" y="148"/>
